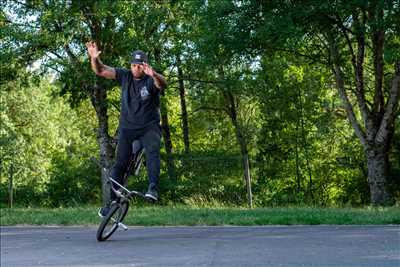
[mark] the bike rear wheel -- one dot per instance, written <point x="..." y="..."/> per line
<point x="111" y="221"/>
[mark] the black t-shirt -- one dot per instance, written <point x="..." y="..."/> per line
<point x="140" y="100"/>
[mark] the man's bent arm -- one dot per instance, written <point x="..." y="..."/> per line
<point x="159" y="81"/>
<point x="102" y="70"/>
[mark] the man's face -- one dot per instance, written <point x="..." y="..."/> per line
<point x="137" y="70"/>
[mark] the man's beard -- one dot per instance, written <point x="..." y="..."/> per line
<point x="139" y="76"/>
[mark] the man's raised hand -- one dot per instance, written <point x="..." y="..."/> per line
<point x="148" y="70"/>
<point x="92" y="49"/>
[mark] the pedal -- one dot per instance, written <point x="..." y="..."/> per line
<point x="123" y="226"/>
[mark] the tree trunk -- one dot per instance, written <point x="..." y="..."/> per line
<point x="298" y="175"/>
<point x="231" y="108"/>
<point x="98" y="98"/>
<point x="377" y="172"/>
<point x="167" y="141"/>
<point x="248" y="179"/>
<point x="165" y="126"/>
<point x="245" y="161"/>
<point x="11" y="186"/>
<point x="304" y="143"/>
<point x="378" y="122"/>
<point x="107" y="150"/>
<point x="185" y="126"/>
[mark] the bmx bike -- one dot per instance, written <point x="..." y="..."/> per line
<point x="119" y="207"/>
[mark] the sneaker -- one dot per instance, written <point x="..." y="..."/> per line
<point x="105" y="210"/>
<point x="152" y="193"/>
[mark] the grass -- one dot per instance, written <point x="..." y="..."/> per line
<point x="184" y="215"/>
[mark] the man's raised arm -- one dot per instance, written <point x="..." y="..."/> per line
<point x="97" y="66"/>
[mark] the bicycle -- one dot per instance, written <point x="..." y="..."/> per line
<point x="119" y="207"/>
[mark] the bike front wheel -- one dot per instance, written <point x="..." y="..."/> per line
<point x="111" y="221"/>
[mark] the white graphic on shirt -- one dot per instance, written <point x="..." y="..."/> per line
<point x="144" y="93"/>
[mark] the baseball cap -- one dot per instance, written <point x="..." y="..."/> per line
<point x="138" y="57"/>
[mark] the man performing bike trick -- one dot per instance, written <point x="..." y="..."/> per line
<point x="139" y="117"/>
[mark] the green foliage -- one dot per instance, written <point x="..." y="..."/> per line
<point x="46" y="147"/>
<point x="270" y="57"/>
<point x="306" y="149"/>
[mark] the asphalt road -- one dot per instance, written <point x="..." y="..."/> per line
<point x="377" y="246"/>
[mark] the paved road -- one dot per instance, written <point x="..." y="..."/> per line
<point x="203" y="246"/>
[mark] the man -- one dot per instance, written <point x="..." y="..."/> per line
<point x="139" y="117"/>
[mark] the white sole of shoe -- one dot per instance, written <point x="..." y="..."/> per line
<point x="100" y="215"/>
<point x="151" y="196"/>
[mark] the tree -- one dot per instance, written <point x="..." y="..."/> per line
<point x="45" y="146"/>
<point x="220" y="67"/>
<point x="56" y="33"/>
<point x="358" y="41"/>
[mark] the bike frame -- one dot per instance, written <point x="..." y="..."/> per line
<point x="128" y="193"/>
<point x="134" y="164"/>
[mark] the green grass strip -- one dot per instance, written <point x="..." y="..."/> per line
<point x="182" y="215"/>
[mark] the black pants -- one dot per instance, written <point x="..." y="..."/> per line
<point x="150" y="138"/>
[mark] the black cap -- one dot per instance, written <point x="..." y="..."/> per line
<point x="138" y="57"/>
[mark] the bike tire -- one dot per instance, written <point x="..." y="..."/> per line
<point x="110" y="222"/>
<point x="124" y="210"/>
